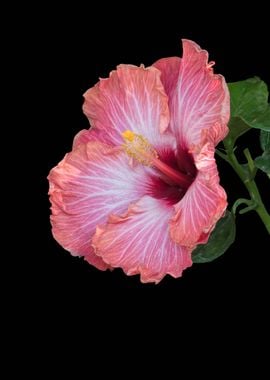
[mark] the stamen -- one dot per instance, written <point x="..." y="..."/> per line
<point x="139" y="148"/>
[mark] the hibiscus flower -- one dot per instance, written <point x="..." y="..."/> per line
<point x="140" y="189"/>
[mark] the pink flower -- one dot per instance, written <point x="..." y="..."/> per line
<point x="140" y="189"/>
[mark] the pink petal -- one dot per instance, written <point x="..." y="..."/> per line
<point x="169" y="68"/>
<point x="203" y="204"/>
<point x="131" y="98"/>
<point x="198" y="99"/>
<point x="87" y="135"/>
<point x="91" y="182"/>
<point x="82" y="137"/>
<point x="139" y="242"/>
<point x="96" y="261"/>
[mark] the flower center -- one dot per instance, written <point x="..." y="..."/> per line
<point x="138" y="147"/>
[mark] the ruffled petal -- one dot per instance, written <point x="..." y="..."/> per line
<point x="91" y="182"/>
<point x="86" y="135"/>
<point x="198" y="99"/>
<point x="95" y="260"/>
<point x="169" y="68"/>
<point x="203" y="204"/>
<point x="132" y="98"/>
<point x="139" y="242"/>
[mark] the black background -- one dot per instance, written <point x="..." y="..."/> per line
<point x="70" y="56"/>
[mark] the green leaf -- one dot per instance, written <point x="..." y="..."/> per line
<point x="237" y="128"/>
<point x="265" y="141"/>
<point x="249" y="98"/>
<point x="249" y="107"/>
<point x="263" y="120"/>
<point x="263" y="163"/>
<point x="219" y="241"/>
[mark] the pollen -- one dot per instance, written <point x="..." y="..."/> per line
<point x="128" y="135"/>
<point x="138" y="147"/>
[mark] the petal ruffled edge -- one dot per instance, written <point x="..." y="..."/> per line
<point x="203" y="204"/>
<point x="87" y="135"/>
<point x="198" y="99"/>
<point x="91" y="182"/>
<point x="139" y="242"/>
<point x="132" y="98"/>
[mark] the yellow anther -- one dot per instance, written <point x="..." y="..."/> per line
<point x="138" y="147"/>
<point x="128" y="135"/>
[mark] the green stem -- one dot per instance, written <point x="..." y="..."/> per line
<point x="250" y="162"/>
<point x="222" y="155"/>
<point x="248" y="181"/>
<point x="250" y="205"/>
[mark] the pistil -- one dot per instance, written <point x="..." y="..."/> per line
<point x="138" y="147"/>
